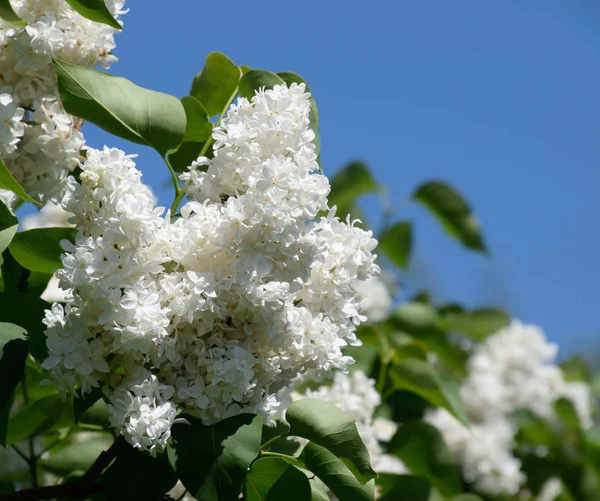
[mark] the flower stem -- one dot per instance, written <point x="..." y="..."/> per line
<point x="179" y="192"/>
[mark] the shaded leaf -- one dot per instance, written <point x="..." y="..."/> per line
<point x="186" y="153"/>
<point x="394" y="487"/>
<point x="422" y="449"/>
<point x="8" y="182"/>
<point x="14" y="347"/>
<point x="566" y="412"/>
<point x="122" y="108"/>
<point x="198" y="130"/>
<point x="396" y="243"/>
<point x="453" y="212"/>
<point x="273" y="479"/>
<point x="94" y="10"/>
<point x="37" y="282"/>
<point x="211" y="461"/>
<point x="82" y="404"/>
<point x="216" y="83"/>
<point x="8" y="14"/>
<point x="466" y="497"/>
<point x="254" y="80"/>
<point x="8" y="226"/>
<point x="336" y="475"/>
<point x="421" y="378"/>
<point x="78" y="455"/>
<point x="137" y="476"/>
<point x="348" y="184"/>
<point x="38" y="417"/>
<point x="26" y="311"/>
<point x="39" y="249"/>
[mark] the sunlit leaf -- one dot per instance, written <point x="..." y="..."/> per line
<point x="94" y="10"/>
<point x="122" y="108"/>
<point x="453" y="212"/>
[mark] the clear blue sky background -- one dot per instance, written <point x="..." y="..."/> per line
<point x="498" y="98"/>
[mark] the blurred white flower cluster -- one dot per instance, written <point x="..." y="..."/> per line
<point x="512" y="370"/>
<point x="376" y="296"/>
<point x="40" y="142"/>
<point x="218" y="311"/>
<point x="355" y="394"/>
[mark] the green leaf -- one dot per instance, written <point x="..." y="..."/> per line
<point x="81" y="405"/>
<point x="12" y="279"/>
<point x="122" y="108"/>
<point x="452" y="211"/>
<point x="328" y="426"/>
<point x="415" y="318"/>
<point x="576" y="368"/>
<point x="422" y="449"/>
<point x="198" y="130"/>
<point x="396" y="243"/>
<point x="271" y="433"/>
<point x="216" y="83"/>
<point x="336" y="475"/>
<point x="567" y="414"/>
<point x="394" y="487"/>
<point x="8" y="226"/>
<point x="94" y="10"/>
<point x="258" y="79"/>
<point x="78" y="455"/>
<point x="466" y="497"/>
<point x="8" y="182"/>
<point x="137" y="476"/>
<point x="273" y="479"/>
<point x="477" y="324"/>
<point x="313" y="115"/>
<point x="211" y="461"/>
<point x="419" y="377"/>
<point x="14" y="347"/>
<point x="34" y="419"/>
<point x="4" y="418"/>
<point x="28" y="312"/>
<point x="181" y="159"/>
<point x="8" y="14"/>
<point x="39" y="249"/>
<point x="350" y="183"/>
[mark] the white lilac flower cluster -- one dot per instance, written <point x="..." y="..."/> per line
<point x="512" y="370"/>
<point x="217" y="312"/>
<point x="356" y="395"/>
<point x="40" y="142"/>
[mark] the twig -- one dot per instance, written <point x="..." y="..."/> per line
<point x="80" y="488"/>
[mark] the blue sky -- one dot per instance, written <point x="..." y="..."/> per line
<point x="498" y="98"/>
